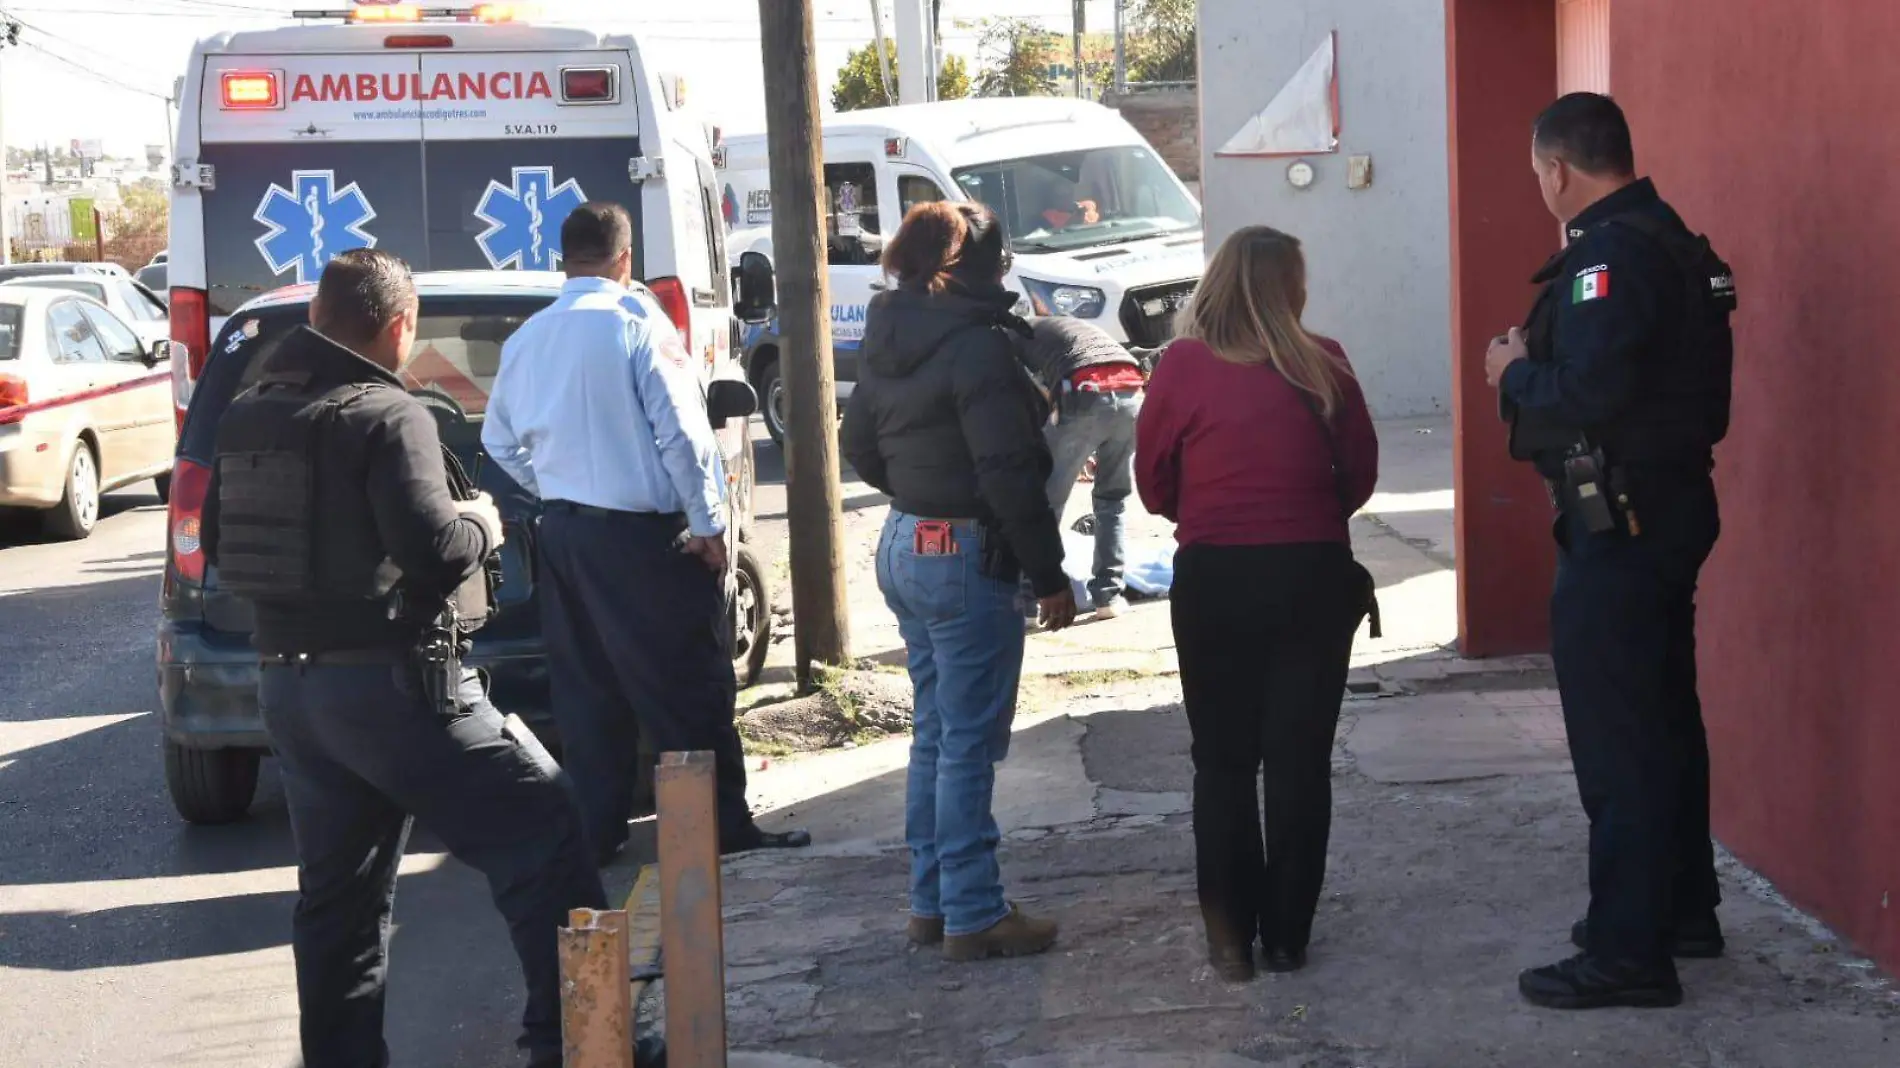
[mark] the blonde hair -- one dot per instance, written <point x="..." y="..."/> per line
<point x="1247" y="309"/>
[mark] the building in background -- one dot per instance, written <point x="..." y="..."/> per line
<point x="1765" y="125"/>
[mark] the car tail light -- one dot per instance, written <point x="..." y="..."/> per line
<point x="251" y="90"/>
<point x="587" y="85"/>
<point x="191" y="327"/>
<point x="190" y="482"/>
<point x="13" y="392"/>
<point x="672" y="297"/>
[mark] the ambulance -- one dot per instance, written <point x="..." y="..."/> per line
<point x="456" y="138"/>
<point x="1100" y="227"/>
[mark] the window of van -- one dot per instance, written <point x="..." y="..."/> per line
<point x="1070" y="200"/>
<point x="850" y="213"/>
<point x="914" y="189"/>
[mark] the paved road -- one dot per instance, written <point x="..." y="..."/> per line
<point x="130" y="939"/>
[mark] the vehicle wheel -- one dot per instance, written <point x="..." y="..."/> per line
<point x="78" y="511"/>
<point x="772" y="401"/>
<point x="164" y="484"/>
<point x="752" y="625"/>
<point x="211" y="786"/>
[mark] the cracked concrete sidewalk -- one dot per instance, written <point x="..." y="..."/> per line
<point x="1458" y="858"/>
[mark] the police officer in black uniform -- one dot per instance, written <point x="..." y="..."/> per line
<point x="1617" y="390"/>
<point x="331" y="510"/>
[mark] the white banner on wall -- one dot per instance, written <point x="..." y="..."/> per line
<point x="1302" y="118"/>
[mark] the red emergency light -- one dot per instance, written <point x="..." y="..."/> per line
<point x="588" y="85"/>
<point x="251" y="90"/>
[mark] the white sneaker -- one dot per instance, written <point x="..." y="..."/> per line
<point x="1112" y="609"/>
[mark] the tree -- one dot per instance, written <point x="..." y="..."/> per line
<point x="1017" y="54"/>
<point x="860" y="85"/>
<point x="1161" y="41"/>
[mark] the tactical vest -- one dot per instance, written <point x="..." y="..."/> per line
<point x="1682" y="410"/>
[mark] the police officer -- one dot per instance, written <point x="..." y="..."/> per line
<point x="597" y="411"/>
<point x="1618" y="389"/>
<point x="331" y="511"/>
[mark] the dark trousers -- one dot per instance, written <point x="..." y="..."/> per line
<point x="1623" y="641"/>
<point x="362" y="752"/>
<point x="1264" y="635"/>
<point x="637" y="641"/>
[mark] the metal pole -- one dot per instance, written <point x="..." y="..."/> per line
<point x="883" y="53"/>
<point x="1121" y="51"/>
<point x="6" y="217"/>
<point x="1078" y="8"/>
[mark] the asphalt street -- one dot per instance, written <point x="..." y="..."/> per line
<point x="128" y="938"/>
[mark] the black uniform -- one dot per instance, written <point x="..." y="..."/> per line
<point x="330" y="509"/>
<point x="1629" y="370"/>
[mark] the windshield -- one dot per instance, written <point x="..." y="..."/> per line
<point x="92" y="289"/>
<point x="1071" y="200"/>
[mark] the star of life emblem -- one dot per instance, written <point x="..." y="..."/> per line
<point x="311" y="222"/>
<point x="524" y="219"/>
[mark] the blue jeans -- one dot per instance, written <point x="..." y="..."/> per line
<point x="965" y="641"/>
<point x="1101" y="425"/>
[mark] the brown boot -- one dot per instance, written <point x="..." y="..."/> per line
<point x="925" y="930"/>
<point x="1015" y="935"/>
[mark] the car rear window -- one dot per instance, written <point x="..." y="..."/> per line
<point x="451" y="369"/>
<point x="95" y="290"/>
<point x="11" y="315"/>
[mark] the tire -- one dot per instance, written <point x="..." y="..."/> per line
<point x="164" y="484"/>
<point x="211" y="786"/>
<point x="772" y="401"/>
<point x="77" y="512"/>
<point x="752" y="625"/>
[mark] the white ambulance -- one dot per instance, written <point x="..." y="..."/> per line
<point x="454" y="138"/>
<point x="1100" y="226"/>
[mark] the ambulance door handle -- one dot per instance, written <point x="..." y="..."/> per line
<point x="704" y="298"/>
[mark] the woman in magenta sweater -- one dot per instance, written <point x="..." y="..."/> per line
<point x="1255" y="440"/>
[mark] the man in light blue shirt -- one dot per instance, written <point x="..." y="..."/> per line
<point x="598" y="411"/>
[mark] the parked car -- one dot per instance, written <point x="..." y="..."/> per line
<point x="157" y="278"/>
<point x="207" y="669"/>
<point x="8" y="272"/>
<point x="160" y="258"/>
<point x="85" y="407"/>
<point x="133" y="303"/>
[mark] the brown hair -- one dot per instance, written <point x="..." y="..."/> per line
<point x="940" y="241"/>
<point x="1247" y="309"/>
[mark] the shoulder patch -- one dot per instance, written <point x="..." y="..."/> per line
<point x="1591" y="283"/>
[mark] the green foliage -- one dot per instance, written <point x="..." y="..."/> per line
<point x="1017" y="54"/>
<point x="1161" y="41"/>
<point x="860" y="85"/>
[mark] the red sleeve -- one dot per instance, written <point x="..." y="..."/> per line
<point x="1158" y="434"/>
<point x="1354" y="439"/>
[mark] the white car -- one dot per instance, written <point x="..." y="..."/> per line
<point x="85" y="407"/>
<point x="139" y="307"/>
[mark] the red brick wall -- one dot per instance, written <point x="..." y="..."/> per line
<point x="1770" y="126"/>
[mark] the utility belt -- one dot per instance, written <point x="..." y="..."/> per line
<point x="938" y="537"/>
<point x="437" y="659"/>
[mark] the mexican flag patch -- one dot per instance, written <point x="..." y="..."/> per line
<point x="1590" y="285"/>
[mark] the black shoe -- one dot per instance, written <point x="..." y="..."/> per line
<point x="1693" y="940"/>
<point x="1284" y="960"/>
<point x="1232" y="963"/>
<point x="753" y="837"/>
<point x="1586" y="982"/>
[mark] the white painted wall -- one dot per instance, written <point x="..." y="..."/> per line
<point x="1378" y="259"/>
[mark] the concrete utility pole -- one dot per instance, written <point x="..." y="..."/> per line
<point x="9" y="35"/>
<point x="1081" y="18"/>
<point x="913" y="53"/>
<point x="883" y="50"/>
<point x="814" y="501"/>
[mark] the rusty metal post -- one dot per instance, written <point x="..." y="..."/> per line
<point x="596" y="998"/>
<point x="692" y="939"/>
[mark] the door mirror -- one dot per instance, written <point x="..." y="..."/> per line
<point x="158" y="352"/>
<point x="758" y="290"/>
<point x="728" y="399"/>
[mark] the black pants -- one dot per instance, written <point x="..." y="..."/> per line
<point x="1623" y="641"/>
<point x="363" y="751"/>
<point x="637" y="640"/>
<point x="1264" y="635"/>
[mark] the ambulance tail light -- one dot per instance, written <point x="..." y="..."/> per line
<point x="191" y="327"/>
<point x="251" y="90"/>
<point x="589" y="85"/>
<point x="184" y="526"/>
<point x="419" y="40"/>
<point x="673" y="300"/>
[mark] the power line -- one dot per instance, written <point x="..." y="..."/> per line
<point x="85" y="49"/>
<point x="98" y="75"/>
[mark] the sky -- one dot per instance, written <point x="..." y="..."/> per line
<point x="101" y="69"/>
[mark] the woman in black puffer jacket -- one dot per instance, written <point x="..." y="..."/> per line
<point x="947" y="423"/>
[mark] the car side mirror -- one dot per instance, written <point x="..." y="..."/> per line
<point x="159" y="352"/>
<point x="758" y="289"/>
<point x="728" y="399"/>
